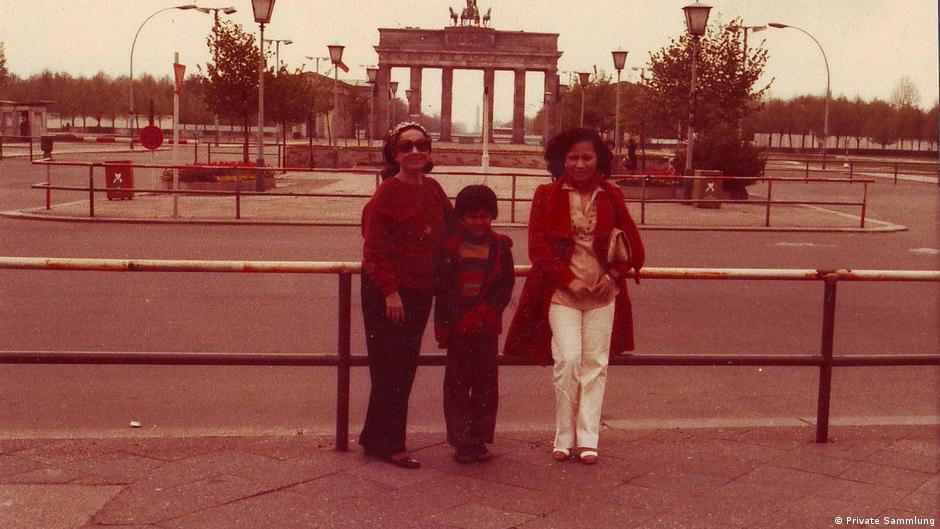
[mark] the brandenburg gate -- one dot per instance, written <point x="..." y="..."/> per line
<point x="468" y="46"/>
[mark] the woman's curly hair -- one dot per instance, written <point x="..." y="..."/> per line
<point x="557" y="148"/>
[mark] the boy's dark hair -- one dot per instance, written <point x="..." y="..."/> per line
<point x="474" y="198"/>
<point x="558" y="147"/>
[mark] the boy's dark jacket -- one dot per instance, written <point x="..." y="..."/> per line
<point x="451" y="314"/>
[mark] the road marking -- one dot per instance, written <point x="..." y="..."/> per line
<point x="855" y="217"/>
<point x="926" y="251"/>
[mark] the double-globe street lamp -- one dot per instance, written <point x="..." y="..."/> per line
<point x="277" y="50"/>
<point x="620" y="60"/>
<point x="825" y="139"/>
<point x="262" y="10"/>
<point x="131" y="114"/>
<point x="583" y="78"/>
<point x="336" y="57"/>
<point x="696" y="20"/>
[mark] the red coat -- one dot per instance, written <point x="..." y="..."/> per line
<point x="551" y="244"/>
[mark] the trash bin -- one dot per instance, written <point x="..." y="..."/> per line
<point x="707" y="188"/>
<point x="45" y="143"/>
<point x="119" y="177"/>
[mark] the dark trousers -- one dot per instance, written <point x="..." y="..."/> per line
<point x="471" y="390"/>
<point x="393" y="359"/>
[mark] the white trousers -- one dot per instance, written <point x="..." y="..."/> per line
<point x="580" y="349"/>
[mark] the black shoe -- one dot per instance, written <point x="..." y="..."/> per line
<point x="407" y="462"/>
<point x="465" y="456"/>
<point x="483" y="455"/>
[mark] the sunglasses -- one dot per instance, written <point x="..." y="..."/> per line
<point x="423" y="145"/>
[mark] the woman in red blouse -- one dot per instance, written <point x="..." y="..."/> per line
<point x="574" y="307"/>
<point x="403" y="225"/>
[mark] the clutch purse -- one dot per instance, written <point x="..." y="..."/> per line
<point x="619" y="249"/>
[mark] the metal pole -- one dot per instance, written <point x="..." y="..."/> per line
<point x="176" y="141"/>
<point x="512" y="211"/>
<point x="643" y="199"/>
<point x="617" y="121"/>
<point x="690" y="142"/>
<point x="342" y="368"/>
<point x="91" y="190"/>
<point x="825" y="370"/>
<point x="335" y="115"/>
<point x="259" y="176"/>
<point x="582" y="105"/>
<point x="770" y="187"/>
<point x="864" y="201"/>
<point x="48" y="191"/>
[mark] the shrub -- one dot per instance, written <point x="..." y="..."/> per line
<point x="216" y="172"/>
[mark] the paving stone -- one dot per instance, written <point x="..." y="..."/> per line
<point x="492" y="494"/>
<point x="112" y="469"/>
<point x="895" y="477"/>
<point x="388" y="474"/>
<point x="146" y="505"/>
<point x="679" y="481"/>
<point x="908" y="460"/>
<point x="50" y="506"/>
<point x="919" y="502"/>
<point x="872" y="496"/>
<point x="812" y="512"/>
<point x="175" y="449"/>
<point x="340" y="485"/>
<point x="48" y="475"/>
<point x="781" y="438"/>
<point x="10" y="446"/>
<point x="931" y="486"/>
<point x="816" y="461"/>
<point x="288" y="447"/>
<point x="713" y="464"/>
<point x="924" y="447"/>
<point x="473" y="516"/>
<point x="10" y="465"/>
<point x="70" y="450"/>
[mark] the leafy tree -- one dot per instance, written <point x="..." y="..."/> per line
<point x="931" y="127"/>
<point x="285" y="98"/>
<point x="232" y="78"/>
<point x="879" y="125"/>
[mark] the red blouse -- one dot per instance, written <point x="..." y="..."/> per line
<point x="403" y="225"/>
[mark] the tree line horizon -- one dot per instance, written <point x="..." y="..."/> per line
<point x="657" y="106"/>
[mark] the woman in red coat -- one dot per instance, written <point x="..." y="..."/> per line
<point x="574" y="307"/>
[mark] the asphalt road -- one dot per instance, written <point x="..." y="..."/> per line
<point x="292" y="313"/>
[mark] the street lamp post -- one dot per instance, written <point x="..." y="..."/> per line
<point x="583" y="78"/>
<point x="620" y="59"/>
<point x="336" y="57"/>
<point x="317" y="59"/>
<point x="131" y="114"/>
<point x="644" y="114"/>
<point x="371" y="75"/>
<point x="563" y="91"/>
<point x="828" y="92"/>
<point x="696" y="19"/>
<point x="745" y="29"/>
<point x="215" y="31"/>
<point x="262" y="11"/>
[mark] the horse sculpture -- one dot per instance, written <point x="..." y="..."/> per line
<point x="453" y="15"/>
<point x="486" y="17"/>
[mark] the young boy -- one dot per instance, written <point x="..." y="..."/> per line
<point x="474" y="285"/>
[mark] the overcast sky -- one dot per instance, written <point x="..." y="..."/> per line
<point x="870" y="44"/>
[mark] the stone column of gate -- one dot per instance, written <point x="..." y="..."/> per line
<point x="447" y="99"/>
<point x="489" y="82"/>
<point x="381" y="100"/>
<point x="414" y="106"/>
<point x="551" y="106"/>
<point x="518" y="108"/>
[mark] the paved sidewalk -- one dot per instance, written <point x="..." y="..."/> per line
<point x="684" y="478"/>
<point x="345" y="210"/>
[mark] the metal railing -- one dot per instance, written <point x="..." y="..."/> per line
<point x="849" y="168"/>
<point x="767" y="202"/>
<point x="513" y="199"/>
<point x="344" y="360"/>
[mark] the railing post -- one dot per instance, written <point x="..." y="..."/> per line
<point x="895" y="172"/>
<point x="864" y="202"/>
<point x="195" y="150"/>
<point x="851" y="167"/>
<point x="806" y="176"/>
<point x="342" y="368"/>
<point x="825" y="370"/>
<point x="770" y="188"/>
<point x="238" y="199"/>
<point x="48" y="190"/>
<point x="512" y="203"/>
<point x="29" y="140"/>
<point x="91" y="190"/>
<point x="1" y="147"/>
<point x="209" y="151"/>
<point x="643" y="199"/>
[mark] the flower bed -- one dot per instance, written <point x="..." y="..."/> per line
<point x="219" y="176"/>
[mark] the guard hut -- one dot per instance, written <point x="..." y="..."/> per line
<point x="341" y="119"/>
<point x="18" y="119"/>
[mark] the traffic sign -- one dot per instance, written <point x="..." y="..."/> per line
<point x="151" y="137"/>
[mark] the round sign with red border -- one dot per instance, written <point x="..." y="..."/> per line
<point x="151" y="137"/>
